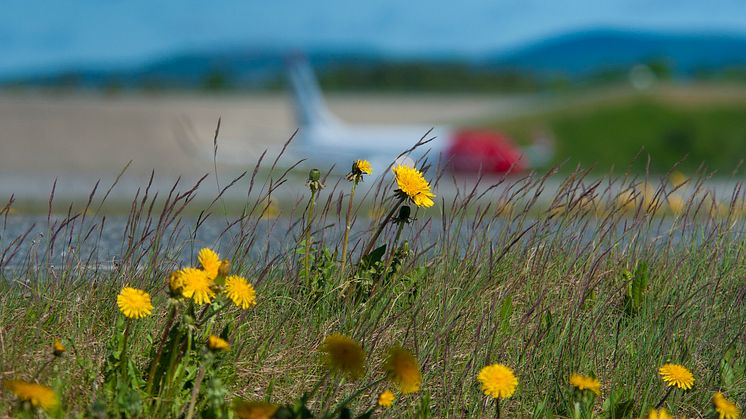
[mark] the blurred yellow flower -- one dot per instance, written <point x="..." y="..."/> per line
<point x="413" y="185"/>
<point x="36" y="394"/>
<point x="676" y="204"/>
<point x="403" y="370"/>
<point x="498" y="381"/>
<point x="627" y="200"/>
<point x="677" y="179"/>
<point x="677" y="376"/>
<point x="725" y="408"/>
<point x="343" y="354"/>
<point x="270" y="209"/>
<point x="58" y="348"/>
<point x="584" y="382"/>
<point x="240" y="291"/>
<point x="215" y="343"/>
<point x="659" y="414"/>
<point x="197" y="285"/>
<point x="134" y="303"/>
<point x="210" y="262"/>
<point x="386" y="399"/>
<point x="254" y="410"/>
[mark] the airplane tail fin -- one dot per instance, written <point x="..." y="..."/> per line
<point x="310" y="107"/>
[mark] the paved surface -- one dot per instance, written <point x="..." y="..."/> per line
<point x="79" y="138"/>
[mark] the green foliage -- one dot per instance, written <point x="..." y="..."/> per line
<point x="540" y="294"/>
<point x="611" y="133"/>
<point x="616" y="406"/>
<point x="637" y="284"/>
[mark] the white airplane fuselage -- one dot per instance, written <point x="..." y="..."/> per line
<point x="341" y="144"/>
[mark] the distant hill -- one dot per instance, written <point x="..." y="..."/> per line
<point x="585" y="52"/>
<point x="570" y="56"/>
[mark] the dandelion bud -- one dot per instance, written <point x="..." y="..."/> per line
<point x="175" y="283"/>
<point x="404" y="214"/>
<point x="404" y="249"/>
<point x="58" y="348"/>
<point x="225" y="268"/>
<point x="314" y="182"/>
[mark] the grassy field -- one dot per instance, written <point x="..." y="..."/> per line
<point x="696" y="126"/>
<point x="601" y="283"/>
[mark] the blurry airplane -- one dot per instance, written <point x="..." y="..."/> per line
<point x="329" y="140"/>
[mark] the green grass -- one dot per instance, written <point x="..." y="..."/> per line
<point x="612" y="132"/>
<point x="544" y="294"/>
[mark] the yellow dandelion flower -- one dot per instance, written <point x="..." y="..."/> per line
<point x="584" y="382"/>
<point x="240" y="291"/>
<point x="197" y="285"/>
<point x="58" y="348"/>
<point x="36" y="394"/>
<point x="254" y="410"/>
<point x="216" y="343"/>
<point x="175" y="283"/>
<point x="725" y="408"/>
<point x="661" y="413"/>
<point x="498" y="381"/>
<point x="413" y="185"/>
<point x="134" y="303"/>
<point x="210" y="262"/>
<point x="343" y="354"/>
<point x="363" y="166"/>
<point x="403" y="370"/>
<point x="386" y="399"/>
<point x="675" y="375"/>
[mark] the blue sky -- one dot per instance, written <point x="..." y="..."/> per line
<point x="38" y="35"/>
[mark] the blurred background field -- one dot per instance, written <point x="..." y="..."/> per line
<point x="617" y="88"/>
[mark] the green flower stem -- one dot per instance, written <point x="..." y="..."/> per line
<point x="354" y="395"/>
<point x="171" y="367"/>
<point x="393" y="250"/>
<point x="159" y="352"/>
<point x="665" y="396"/>
<point x="318" y="385"/>
<point x="307" y="238"/>
<point x="209" y="316"/>
<point x="497" y="408"/>
<point x="348" y="226"/>
<point x="123" y="358"/>
<point x="195" y="390"/>
<point x="43" y="367"/>
<point x="383" y="224"/>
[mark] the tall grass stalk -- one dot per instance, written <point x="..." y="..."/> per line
<point x="528" y="270"/>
